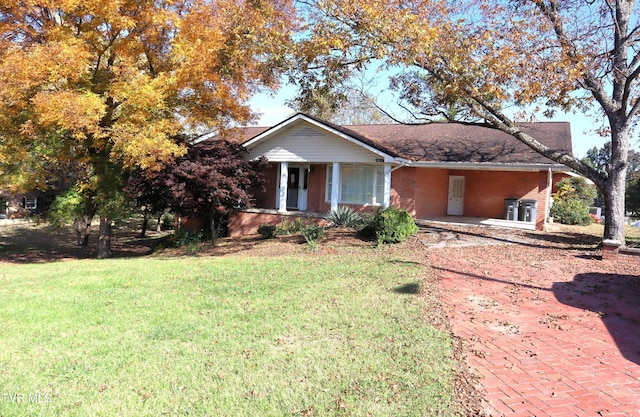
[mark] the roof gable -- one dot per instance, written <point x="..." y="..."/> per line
<point x="304" y="139"/>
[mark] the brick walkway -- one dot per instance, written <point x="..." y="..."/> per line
<point x="549" y="332"/>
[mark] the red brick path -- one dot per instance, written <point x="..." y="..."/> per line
<point x="550" y="332"/>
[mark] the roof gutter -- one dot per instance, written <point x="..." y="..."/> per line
<point x="492" y="166"/>
<point x="402" y="163"/>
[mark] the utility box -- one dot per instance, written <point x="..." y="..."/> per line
<point x="528" y="210"/>
<point x="511" y="209"/>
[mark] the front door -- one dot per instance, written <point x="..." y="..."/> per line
<point x="455" y="206"/>
<point x="292" y="187"/>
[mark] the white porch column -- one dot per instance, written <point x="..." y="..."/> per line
<point x="282" y="187"/>
<point x="387" y="185"/>
<point x="335" y="186"/>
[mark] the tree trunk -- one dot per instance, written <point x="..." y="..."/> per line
<point x="82" y="227"/>
<point x="145" y="222"/>
<point x="104" y="240"/>
<point x="158" y="223"/>
<point x="615" y="184"/>
<point x="614" y="210"/>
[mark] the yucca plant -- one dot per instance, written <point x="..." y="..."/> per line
<point x="345" y="216"/>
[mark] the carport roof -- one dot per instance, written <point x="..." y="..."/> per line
<point x="454" y="142"/>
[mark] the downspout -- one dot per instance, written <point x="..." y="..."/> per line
<point x="387" y="191"/>
<point x="548" y="201"/>
<point x="403" y="163"/>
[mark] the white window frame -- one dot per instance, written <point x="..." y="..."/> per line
<point x="30" y="203"/>
<point x="375" y="193"/>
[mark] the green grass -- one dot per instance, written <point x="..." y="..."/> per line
<point x="632" y="234"/>
<point x="203" y="336"/>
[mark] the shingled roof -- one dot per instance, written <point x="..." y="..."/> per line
<point x="450" y="142"/>
<point x="454" y="142"/>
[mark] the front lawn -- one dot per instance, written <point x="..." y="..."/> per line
<point x="632" y="234"/>
<point x="284" y="336"/>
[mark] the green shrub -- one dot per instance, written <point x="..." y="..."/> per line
<point x="632" y="195"/>
<point x="187" y="237"/>
<point x="393" y="225"/>
<point x="572" y="200"/>
<point x="268" y="231"/>
<point x="312" y="233"/>
<point x="290" y="227"/>
<point x="570" y="212"/>
<point x="167" y="220"/>
<point x="576" y="189"/>
<point x="67" y="207"/>
<point x="345" y="216"/>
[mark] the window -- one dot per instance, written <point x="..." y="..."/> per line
<point x="359" y="184"/>
<point x="30" y="203"/>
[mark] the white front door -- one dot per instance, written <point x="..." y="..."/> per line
<point x="455" y="206"/>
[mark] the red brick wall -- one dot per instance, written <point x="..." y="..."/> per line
<point x="267" y="198"/>
<point x="317" y="189"/>
<point x="424" y="191"/>
<point x="485" y="192"/>
<point x="612" y="251"/>
<point x="431" y="194"/>
<point x="403" y="189"/>
<point x="246" y="223"/>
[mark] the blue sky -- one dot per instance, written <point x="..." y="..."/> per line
<point x="274" y="110"/>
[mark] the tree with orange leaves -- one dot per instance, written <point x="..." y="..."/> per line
<point x="484" y="58"/>
<point x="91" y="89"/>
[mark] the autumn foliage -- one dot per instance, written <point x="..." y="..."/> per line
<point x="489" y="61"/>
<point x="92" y="88"/>
<point x="210" y="180"/>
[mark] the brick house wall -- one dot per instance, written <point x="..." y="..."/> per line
<point x="423" y="192"/>
<point x="485" y="191"/>
<point x="431" y="192"/>
<point x="403" y="189"/>
<point x="316" y="189"/>
<point x="243" y="223"/>
<point x="267" y="198"/>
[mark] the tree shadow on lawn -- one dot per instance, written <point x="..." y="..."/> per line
<point x="30" y="243"/>
<point x="334" y="241"/>
<point x="615" y="298"/>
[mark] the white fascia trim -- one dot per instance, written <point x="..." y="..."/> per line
<point x="271" y="131"/>
<point x="575" y="174"/>
<point x="492" y="166"/>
